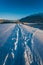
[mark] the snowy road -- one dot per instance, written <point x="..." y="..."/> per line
<point x="17" y="45"/>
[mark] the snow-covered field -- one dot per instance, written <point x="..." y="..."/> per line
<point x="5" y="31"/>
<point x="20" y="45"/>
<point x="37" y="40"/>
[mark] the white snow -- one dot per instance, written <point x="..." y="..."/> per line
<point x="12" y="55"/>
<point x="5" y="31"/>
<point x="28" y="56"/>
<point x="38" y="35"/>
<point x="15" y="44"/>
<point x="5" y="59"/>
<point x="38" y="42"/>
<point x="29" y="29"/>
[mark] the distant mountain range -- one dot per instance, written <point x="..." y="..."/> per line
<point x="36" y="18"/>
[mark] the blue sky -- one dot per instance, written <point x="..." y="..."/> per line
<point x="16" y="9"/>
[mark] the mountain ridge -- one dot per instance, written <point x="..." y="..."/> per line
<point x="35" y="18"/>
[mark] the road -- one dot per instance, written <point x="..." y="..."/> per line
<point x="16" y="46"/>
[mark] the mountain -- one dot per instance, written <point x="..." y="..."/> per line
<point x="36" y="18"/>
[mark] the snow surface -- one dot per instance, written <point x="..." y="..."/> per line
<point x="5" y="31"/>
<point x="37" y="41"/>
<point x="23" y="45"/>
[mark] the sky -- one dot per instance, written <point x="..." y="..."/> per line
<point x="16" y="9"/>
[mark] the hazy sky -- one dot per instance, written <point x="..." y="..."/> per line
<point x="15" y="9"/>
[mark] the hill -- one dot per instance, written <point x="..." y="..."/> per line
<point x="36" y="18"/>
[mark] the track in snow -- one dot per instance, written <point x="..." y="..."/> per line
<point x="17" y="50"/>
